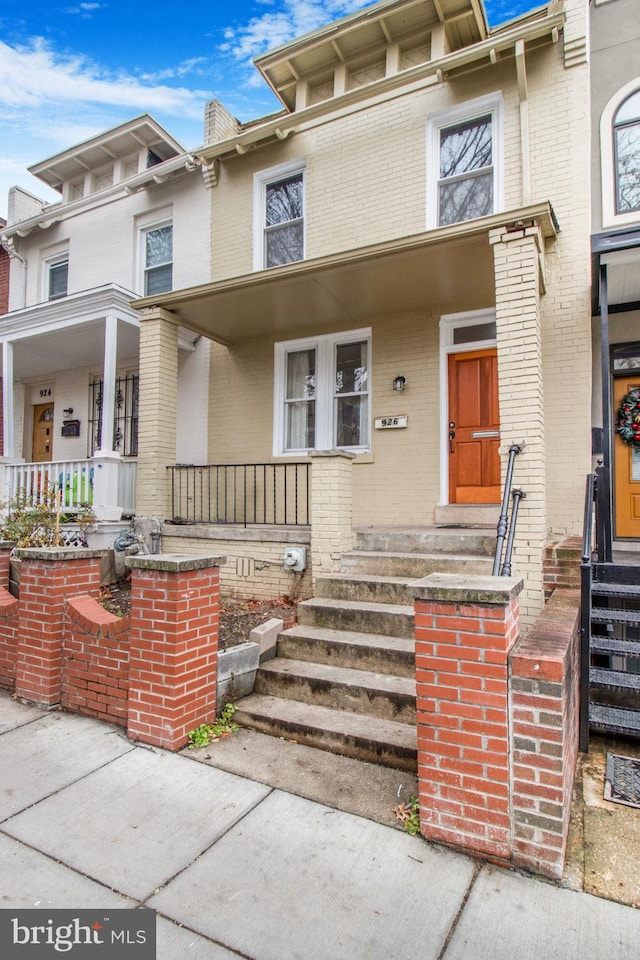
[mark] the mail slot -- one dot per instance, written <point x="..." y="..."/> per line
<point x="476" y="434"/>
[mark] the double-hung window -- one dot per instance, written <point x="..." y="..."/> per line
<point x="322" y="393"/>
<point x="158" y="259"/>
<point x="464" y="147"/>
<point x="57" y="277"/>
<point x="626" y="136"/>
<point x="279" y="215"/>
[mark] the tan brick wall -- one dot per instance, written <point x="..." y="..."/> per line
<point x="157" y="412"/>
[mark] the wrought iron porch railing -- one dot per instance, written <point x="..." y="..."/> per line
<point x="506" y="527"/>
<point x="246" y="493"/>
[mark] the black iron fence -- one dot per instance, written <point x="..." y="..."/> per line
<point x="245" y="493"/>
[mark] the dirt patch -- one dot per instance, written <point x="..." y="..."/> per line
<point x="237" y="617"/>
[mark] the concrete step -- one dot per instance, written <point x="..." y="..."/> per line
<point x="367" y="738"/>
<point x="468" y="515"/>
<point x="362" y="586"/>
<point x="414" y="566"/>
<point x="342" y="688"/>
<point x="427" y="540"/>
<point x="394" y="620"/>
<point x="346" y="648"/>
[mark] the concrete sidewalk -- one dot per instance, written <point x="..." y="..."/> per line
<point x="234" y="867"/>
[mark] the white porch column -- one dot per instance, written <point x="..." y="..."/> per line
<point x="106" y="460"/>
<point x="108" y="385"/>
<point x="8" y="446"/>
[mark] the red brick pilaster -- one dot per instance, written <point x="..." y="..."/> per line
<point x="175" y="603"/>
<point x="6" y="546"/>
<point x="47" y="576"/>
<point x="465" y="628"/>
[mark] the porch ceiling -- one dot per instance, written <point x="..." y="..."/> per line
<point x="450" y="268"/>
<point x="70" y="347"/>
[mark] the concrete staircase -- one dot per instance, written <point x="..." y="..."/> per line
<point x="344" y="677"/>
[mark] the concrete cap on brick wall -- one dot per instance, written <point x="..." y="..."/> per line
<point x="345" y="454"/>
<point x="58" y="553"/>
<point x="173" y="562"/>
<point x="466" y="589"/>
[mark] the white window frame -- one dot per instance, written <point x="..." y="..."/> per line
<point x="493" y="105"/>
<point x="610" y="217"/>
<point x="160" y="217"/>
<point x="325" y="346"/>
<point x="261" y="180"/>
<point x="50" y="263"/>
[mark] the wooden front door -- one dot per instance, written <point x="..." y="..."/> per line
<point x="42" y="433"/>
<point x="474" y="427"/>
<point x="626" y="468"/>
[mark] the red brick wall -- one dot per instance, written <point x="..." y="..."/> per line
<point x="174" y="652"/>
<point x="545" y="672"/>
<point x="561" y="565"/>
<point x="95" y="668"/>
<point x="463" y="723"/>
<point x="8" y="639"/>
<point x="47" y="578"/>
<point x="4" y="279"/>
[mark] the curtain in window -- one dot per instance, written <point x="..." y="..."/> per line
<point x="300" y="407"/>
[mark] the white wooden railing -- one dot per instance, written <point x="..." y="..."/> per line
<point x="35" y="482"/>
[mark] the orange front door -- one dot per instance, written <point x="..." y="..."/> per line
<point x="626" y="468"/>
<point x="474" y="427"/>
<point x="42" y="433"/>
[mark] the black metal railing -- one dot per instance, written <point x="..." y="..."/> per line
<point x="586" y="565"/>
<point x="245" y="493"/>
<point x="506" y="527"/>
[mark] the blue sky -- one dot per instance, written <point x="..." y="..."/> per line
<point x="70" y="70"/>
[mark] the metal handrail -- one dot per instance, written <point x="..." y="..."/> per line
<point x="503" y="522"/>
<point x="590" y="501"/>
<point x="517" y="495"/>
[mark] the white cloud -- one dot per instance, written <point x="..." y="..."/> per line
<point x="293" y="19"/>
<point x="34" y="75"/>
<point x="85" y="10"/>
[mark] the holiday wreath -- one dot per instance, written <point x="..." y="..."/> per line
<point x="628" y="417"/>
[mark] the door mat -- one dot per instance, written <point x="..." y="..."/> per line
<point x="622" y="780"/>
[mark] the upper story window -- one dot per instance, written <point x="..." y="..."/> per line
<point x="464" y="162"/>
<point x="322" y="390"/>
<point x="57" y="277"/>
<point x="626" y="135"/>
<point x="158" y="259"/>
<point x="279" y="215"/>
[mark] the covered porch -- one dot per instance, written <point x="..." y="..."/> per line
<point x="70" y="398"/>
<point x="474" y="289"/>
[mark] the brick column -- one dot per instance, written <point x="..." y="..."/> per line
<point x="545" y="699"/>
<point x="157" y="411"/>
<point x="47" y="577"/>
<point x="331" y="509"/>
<point x="175" y="605"/>
<point x="6" y="546"/>
<point x="518" y="256"/>
<point x="465" y="628"/>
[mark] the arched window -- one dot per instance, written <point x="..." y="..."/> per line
<point x="626" y="140"/>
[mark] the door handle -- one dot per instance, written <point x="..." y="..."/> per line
<point x="452" y="436"/>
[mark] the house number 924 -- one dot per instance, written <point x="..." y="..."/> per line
<point x="46" y="392"/>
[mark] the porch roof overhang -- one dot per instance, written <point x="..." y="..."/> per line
<point x="619" y="252"/>
<point x="46" y="336"/>
<point x="394" y="278"/>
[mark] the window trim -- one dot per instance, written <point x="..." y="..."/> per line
<point x="325" y="347"/>
<point x="261" y="181"/>
<point x="144" y="230"/>
<point x="491" y="104"/>
<point x="50" y="263"/>
<point x="608" y="168"/>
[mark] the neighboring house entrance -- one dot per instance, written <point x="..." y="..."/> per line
<point x="42" y="433"/>
<point x="626" y="468"/>
<point x="474" y="427"/>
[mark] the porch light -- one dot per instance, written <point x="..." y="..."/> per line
<point x="399" y="383"/>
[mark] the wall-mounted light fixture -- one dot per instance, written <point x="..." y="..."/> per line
<point x="68" y="411"/>
<point x="399" y="383"/>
